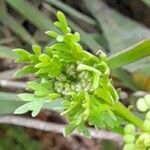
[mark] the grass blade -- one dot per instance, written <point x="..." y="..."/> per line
<point x="6" y="52"/>
<point x="32" y="14"/>
<point x="129" y="55"/>
<point x="9" y="102"/>
<point x="120" y="31"/>
<point x="15" y="27"/>
<point x="71" y="11"/>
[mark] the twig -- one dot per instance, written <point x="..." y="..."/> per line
<point x="12" y="84"/>
<point x="58" y="128"/>
<point x="8" y="74"/>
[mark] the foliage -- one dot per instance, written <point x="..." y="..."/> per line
<point x="79" y="79"/>
<point x="67" y="72"/>
<point x="139" y="140"/>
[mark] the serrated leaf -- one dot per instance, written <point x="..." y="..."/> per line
<point x="83" y="130"/>
<point x="34" y="106"/>
<point x="62" y="19"/>
<point x="70" y="128"/>
<point x="36" y="49"/>
<point x="23" y="55"/>
<point x="25" y="71"/>
<point x="29" y="97"/>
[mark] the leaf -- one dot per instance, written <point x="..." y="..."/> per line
<point x="86" y="38"/>
<point x="6" y="52"/>
<point x="36" y="49"/>
<point x="71" y="11"/>
<point x="129" y="55"/>
<point x="34" y="106"/>
<point x="29" y="97"/>
<point x="23" y="55"/>
<point x="32" y="14"/>
<point x="25" y="71"/>
<point x="40" y="89"/>
<point x="15" y="26"/>
<point x="9" y="102"/>
<point x="70" y="128"/>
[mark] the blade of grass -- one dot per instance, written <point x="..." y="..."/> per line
<point x="120" y="31"/>
<point x="147" y="2"/>
<point x="6" y="52"/>
<point x="71" y="11"/>
<point x="9" y="102"/>
<point x="43" y="22"/>
<point x="129" y="55"/>
<point x="15" y="27"/>
<point x="31" y="13"/>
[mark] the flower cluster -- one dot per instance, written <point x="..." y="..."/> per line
<point x="79" y="79"/>
<point x="73" y="80"/>
<point x="135" y="139"/>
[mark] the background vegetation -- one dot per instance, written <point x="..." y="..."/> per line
<point x="103" y="24"/>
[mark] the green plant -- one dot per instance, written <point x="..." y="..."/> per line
<point x="136" y="139"/>
<point x="79" y="79"/>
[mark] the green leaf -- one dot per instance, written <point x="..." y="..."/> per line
<point x="70" y="128"/>
<point x="23" y="55"/>
<point x="86" y="38"/>
<point x="25" y="71"/>
<point x="36" y="49"/>
<point x="40" y="89"/>
<point x="32" y="14"/>
<point x="71" y="11"/>
<point x="9" y="102"/>
<point x="34" y="106"/>
<point x="129" y="55"/>
<point x="62" y="19"/>
<point x="29" y="97"/>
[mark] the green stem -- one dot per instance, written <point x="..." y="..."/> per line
<point x="121" y="110"/>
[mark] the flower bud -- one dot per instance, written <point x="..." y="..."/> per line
<point x="129" y="129"/>
<point x="141" y="105"/>
<point x="146" y="125"/>
<point x="147" y="141"/>
<point x="129" y="147"/>
<point x="129" y="138"/>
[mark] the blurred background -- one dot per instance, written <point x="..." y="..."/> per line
<point x="109" y="25"/>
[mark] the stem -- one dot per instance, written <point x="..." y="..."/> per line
<point x="121" y="110"/>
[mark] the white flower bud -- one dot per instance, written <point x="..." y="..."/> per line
<point x="141" y="105"/>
